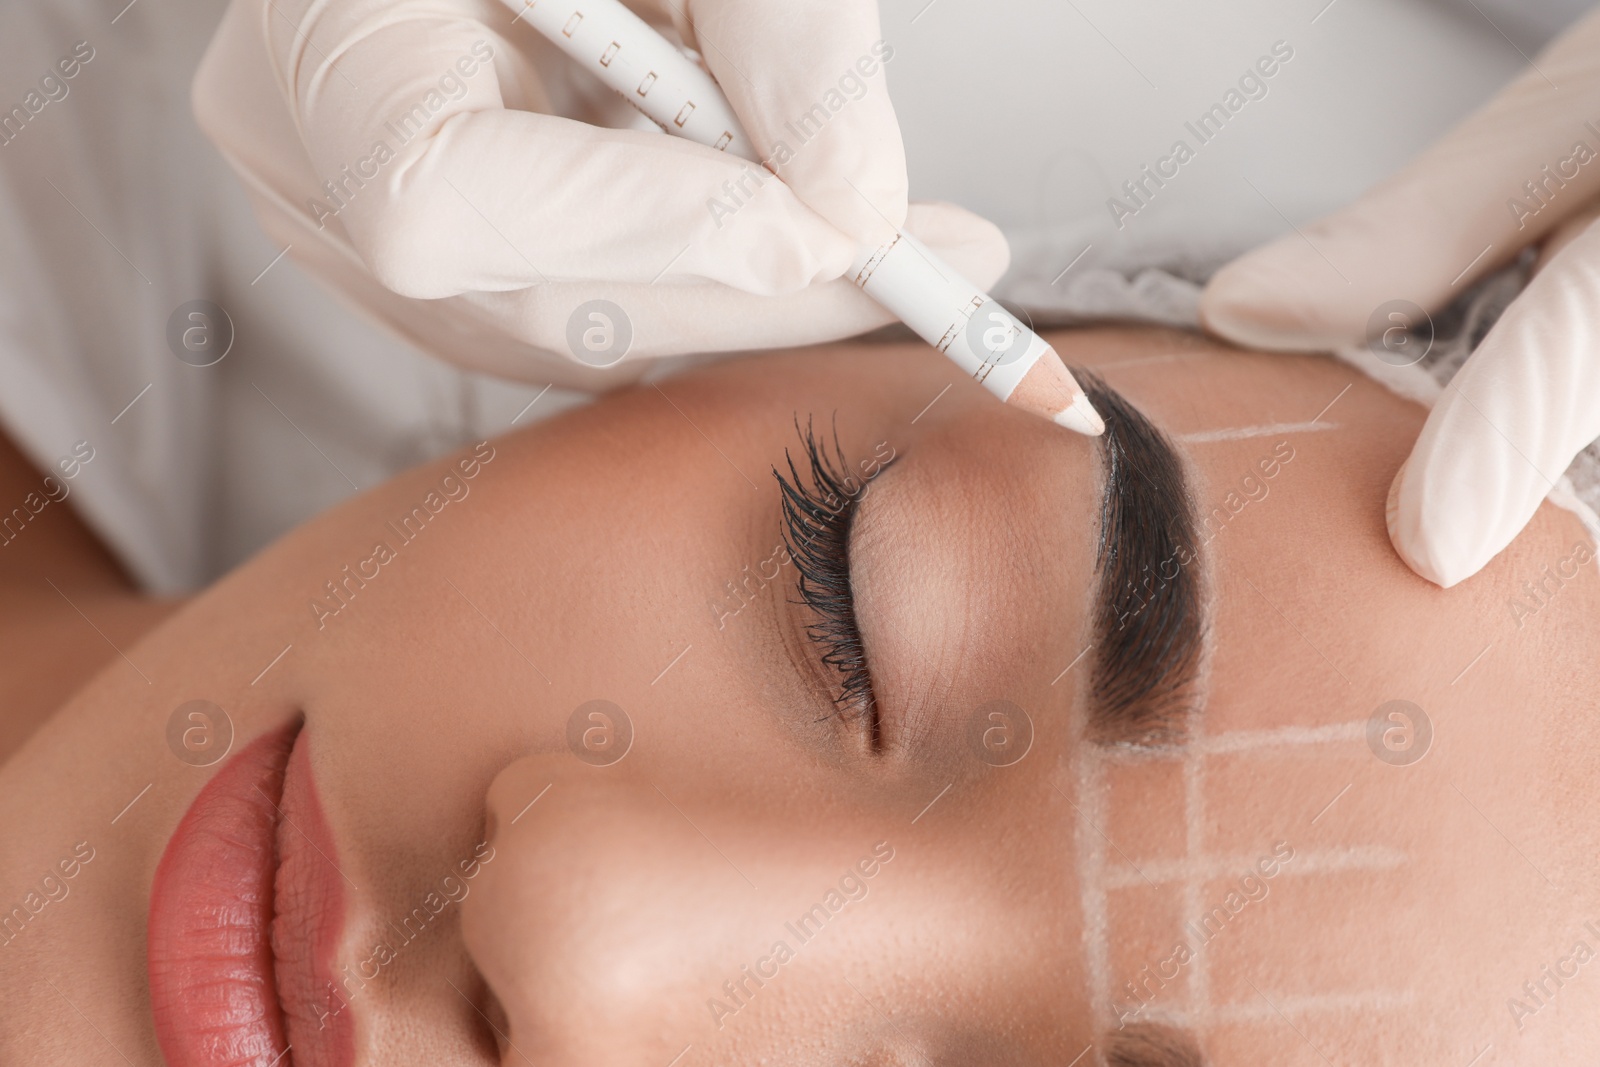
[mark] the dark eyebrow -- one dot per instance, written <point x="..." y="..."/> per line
<point x="1148" y="626"/>
<point x="1149" y="1044"/>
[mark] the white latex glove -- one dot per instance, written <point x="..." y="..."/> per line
<point x="1528" y="400"/>
<point x="478" y="235"/>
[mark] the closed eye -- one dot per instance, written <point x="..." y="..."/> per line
<point x="818" y="509"/>
<point x="1149" y="626"/>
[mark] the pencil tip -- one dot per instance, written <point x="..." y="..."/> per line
<point x="1049" y="389"/>
<point x="1081" y="417"/>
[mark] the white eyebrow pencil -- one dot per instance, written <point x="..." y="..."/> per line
<point x="943" y="308"/>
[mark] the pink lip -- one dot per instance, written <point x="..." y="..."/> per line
<point x="245" y="911"/>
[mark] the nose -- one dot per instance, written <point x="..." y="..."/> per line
<point x="603" y="917"/>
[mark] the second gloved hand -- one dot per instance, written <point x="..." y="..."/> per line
<point x="425" y="158"/>
<point x="1524" y="167"/>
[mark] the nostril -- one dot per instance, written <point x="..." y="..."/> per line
<point x="602" y="891"/>
<point x="484" y="1014"/>
<point x="494" y="1013"/>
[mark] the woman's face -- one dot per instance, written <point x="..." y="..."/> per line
<point x="576" y="769"/>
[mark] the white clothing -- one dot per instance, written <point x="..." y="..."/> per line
<point x="114" y="211"/>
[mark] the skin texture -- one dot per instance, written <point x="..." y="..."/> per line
<point x="609" y="904"/>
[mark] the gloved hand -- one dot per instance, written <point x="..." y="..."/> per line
<point x="418" y="157"/>
<point x="1528" y="400"/>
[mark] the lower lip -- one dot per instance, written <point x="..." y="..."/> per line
<point x="252" y="846"/>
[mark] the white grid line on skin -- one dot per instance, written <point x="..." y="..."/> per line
<point x="1092" y="789"/>
<point x="1258" y="1012"/>
<point x="1241" y="433"/>
<point x="1223" y="868"/>
<point x="1164" y="357"/>
<point x="1246" y="741"/>
<point x="1196" y="868"/>
<point x="1176" y="1018"/>
<point x="1283" y="736"/>
<point x="1317" y="1004"/>
<point x="1194" y="850"/>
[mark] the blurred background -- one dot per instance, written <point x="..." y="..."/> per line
<point x="1034" y="114"/>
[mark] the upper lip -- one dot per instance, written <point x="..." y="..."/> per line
<point x="245" y="911"/>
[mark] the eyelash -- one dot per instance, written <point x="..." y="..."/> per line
<point x="817" y="512"/>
